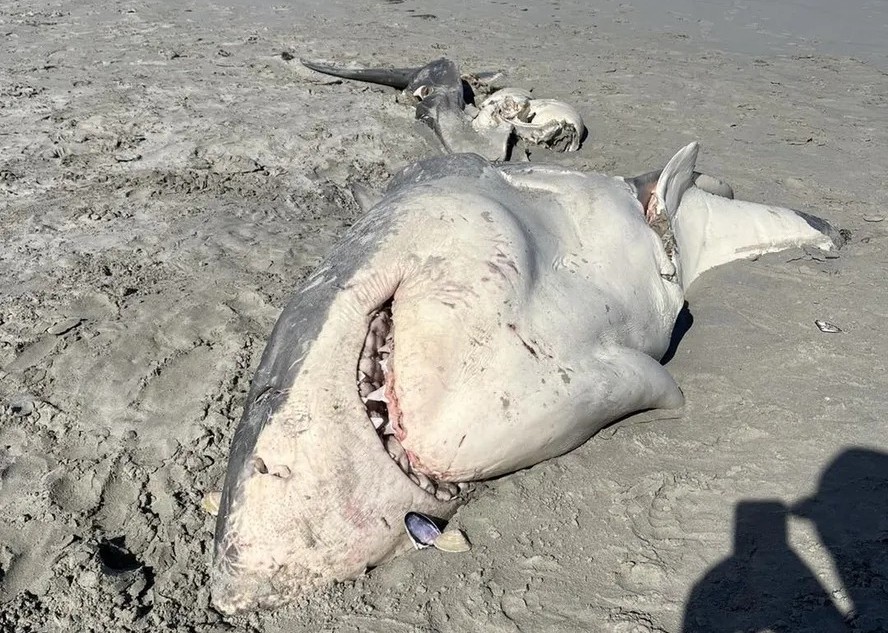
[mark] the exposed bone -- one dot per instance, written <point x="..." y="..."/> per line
<point x="484" y="82"/>
<point x="443" y="100"/>
<point x="553" y="123"/>
<point x="500" y="108"/>
<point x="507" y="98"/>
<point x="539" y="121"/>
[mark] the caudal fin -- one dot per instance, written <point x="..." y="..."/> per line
<point x="395" y="77"/>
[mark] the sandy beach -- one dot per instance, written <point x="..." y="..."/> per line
<point x="169" y="173"/>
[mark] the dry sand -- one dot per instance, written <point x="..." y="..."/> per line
<point x="167" y="178"/>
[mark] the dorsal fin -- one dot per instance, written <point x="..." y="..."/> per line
<point x="675" y="179"/>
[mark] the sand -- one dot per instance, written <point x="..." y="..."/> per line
<point x="167" y="178"/>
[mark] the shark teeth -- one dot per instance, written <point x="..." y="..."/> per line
<point x="373" y="373"/>
<point x="376" y="396"/>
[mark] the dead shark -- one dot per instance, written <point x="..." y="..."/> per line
<point x="479" y="319"/>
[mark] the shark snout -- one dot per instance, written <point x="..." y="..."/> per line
<point x="236" y="591"/>
<point x="244" y="578"/>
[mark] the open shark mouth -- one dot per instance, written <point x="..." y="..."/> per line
<point x="376" y="386"/>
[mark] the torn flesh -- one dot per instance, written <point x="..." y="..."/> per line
<point x="376" y="387"/>
<point x="549" y="122"/>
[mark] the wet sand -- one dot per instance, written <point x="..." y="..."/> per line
<point x="167" y="178"/>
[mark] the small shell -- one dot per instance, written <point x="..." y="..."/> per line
<point x="826" y="326"/>
<point x="210" y="502"/>
<point x="452" y="541"/>
<point x="422" y="530"/>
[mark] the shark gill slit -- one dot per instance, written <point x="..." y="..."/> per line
<point x="375" y="384"/>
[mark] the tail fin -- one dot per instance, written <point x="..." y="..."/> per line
<point x="395" y="77"/>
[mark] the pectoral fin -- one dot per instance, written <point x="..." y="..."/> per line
<point x="634" y="381"/>
<point x="617" y="383"/>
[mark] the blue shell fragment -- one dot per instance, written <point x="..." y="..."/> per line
<point x="421" y="529"/>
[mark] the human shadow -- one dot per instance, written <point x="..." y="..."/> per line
<point x="850" y="513"/>
<point x="764" y="585"/>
